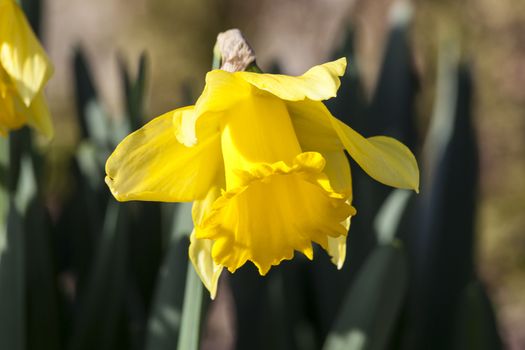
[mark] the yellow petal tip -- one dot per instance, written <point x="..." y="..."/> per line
<point x="116" y="194"/>
<point x="340" y="66"/>
<point x="212" y="296"/>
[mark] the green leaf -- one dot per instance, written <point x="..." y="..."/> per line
<point x="26" y="190"/>
<point x="91" y="160"/>
<point x="92" y="118"/>
<point x="388" y="218"/>
<point x="476" y="324"/>
<point x="19" y="145"/>
<point x="12" y="282"/>
<point x="134" y="92"/>
<point x="43" y="328"/>
<point x="391" y="111"/>
<point x="139" y="89"/>
<point x="32" y="10"/>
<point x="166" y="315"/>
<point x="4" y="180"/>
<point x="373" y="302"/>
<point x="101" y="305"/>
<point x="164" y="325"/>
<point x="43" y="331"/>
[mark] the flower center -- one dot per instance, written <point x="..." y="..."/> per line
<point x="282" y="208"/>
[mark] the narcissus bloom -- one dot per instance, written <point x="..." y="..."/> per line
<point x="263" y="161"/>
<point x="24" y="70"/>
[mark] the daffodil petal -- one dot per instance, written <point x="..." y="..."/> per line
<point x="38" y="116"/>
<point x="21" y="55"/>
<point x="202" y="207"/>
<point x="318" y="83"/>
<point x="338" y="171"/>
<point x="200" y="249"/>
<point x="200" y="256"/>
<point x="383" y="158"/>
<point x="313" y="129"/>
<point x="337" y="249"/>
<point x="150" y="164"/>
<point x="222" y="91"/>
<point x="9" y="118"/>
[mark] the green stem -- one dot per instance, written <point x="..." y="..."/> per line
<point x="253" y="67"/>
<point x="191" y="312"/>
<point x="192" y="305"/>
<point x="216" y="64"/>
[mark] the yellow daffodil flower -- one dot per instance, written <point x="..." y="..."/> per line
<point x="263" y="161"/>
<point x="24" y="70"/>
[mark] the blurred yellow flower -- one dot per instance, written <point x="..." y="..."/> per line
<point x="263" y="161"/>
<point x="24" y="70"/>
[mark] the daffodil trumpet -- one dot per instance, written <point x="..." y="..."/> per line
<point x="24" y="71"/>
<point x="263" y="161"/>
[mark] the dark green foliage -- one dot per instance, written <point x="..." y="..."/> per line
<point x="85" y="95"/>
<point x="42" y="298"/>
<point x="476" y="325"/>
<point x="268" y="308"/>
<point x="392" y="106"/>
<point x="12" y="282"/>
<point x="18" y="144"/>
<point x="166" y="312"/>
<point x="124" y="241"/>
<point x="135" y="92"/>
<point x="33" y="12"/>
<point x="442" y="242"/>
<point x="371" y="308"/>
<point x="101" y="306"/>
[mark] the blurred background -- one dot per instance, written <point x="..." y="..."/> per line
<point x="444" y="269"/>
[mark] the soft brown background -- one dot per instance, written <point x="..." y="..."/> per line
<point x="179" y="35"/>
